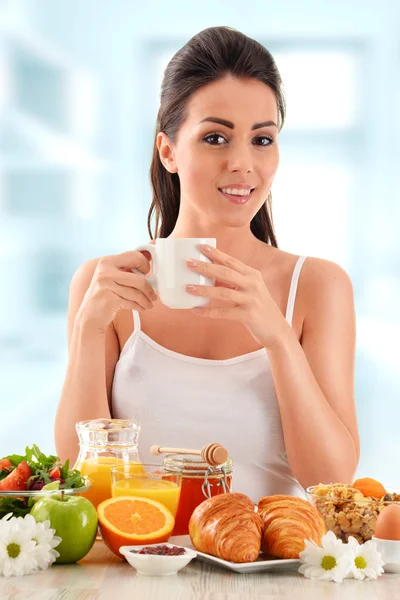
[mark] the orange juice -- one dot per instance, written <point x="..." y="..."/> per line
<point x="99" y="472"/>
<point x="162" y="490"/>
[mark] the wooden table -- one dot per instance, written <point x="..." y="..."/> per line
<point x="101" y="575"/>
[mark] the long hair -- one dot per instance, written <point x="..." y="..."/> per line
<point x="207" y="57"/>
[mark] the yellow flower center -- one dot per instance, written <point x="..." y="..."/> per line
<point x="13" y="550"/>
<point x="328" y="563"/>
<point x="360" y="562"/>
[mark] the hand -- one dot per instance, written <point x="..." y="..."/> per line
<point x="114" y="287"/>
<point x="248" y="296"/>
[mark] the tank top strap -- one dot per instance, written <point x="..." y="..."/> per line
<point x="136" y="322"/>
<point x="293" y="288"/>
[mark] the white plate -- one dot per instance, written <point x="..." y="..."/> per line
<point x="261" y="564"/>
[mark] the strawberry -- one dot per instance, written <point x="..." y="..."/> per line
<point x="4" y="463"/>
<point x="17" y="479"/>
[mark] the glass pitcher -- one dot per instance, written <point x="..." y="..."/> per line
<point x="105" y="443"/>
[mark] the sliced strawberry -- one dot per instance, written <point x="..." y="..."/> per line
<point x="4" y="463"/>
<point x="17" y="479"/>
<point x="55" y="472"/>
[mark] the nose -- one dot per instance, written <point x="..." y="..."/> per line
<point x="240" y="159"/>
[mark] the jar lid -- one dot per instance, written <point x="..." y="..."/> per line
<point x="108" y="432"/>
<point x="191" y="465"/>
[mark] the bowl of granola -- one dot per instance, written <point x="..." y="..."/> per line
<point x="351" y="510"/>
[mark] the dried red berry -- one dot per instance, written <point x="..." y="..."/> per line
<point x="162" y="550"/>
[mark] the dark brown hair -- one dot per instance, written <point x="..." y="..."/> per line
<point x="209" y="56"/>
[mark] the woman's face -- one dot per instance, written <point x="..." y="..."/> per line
<point x="211" y="156"/>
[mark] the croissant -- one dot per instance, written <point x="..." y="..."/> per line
<point x="226" y="526"/>
<point x="288" y="521"/>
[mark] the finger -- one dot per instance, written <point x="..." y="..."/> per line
<point x="223" y="312"/>
<point x="129" y="305"/>
<point x="134" y="280"/>
<point x="124" y="304"/>
<point x="217" y="293"/>
<point x="132" y="259"/>
<point x="132" y="294"/>
<point x="231" y="286"/>
<point x="219" y="272"/>
<point x="219" y="257"/>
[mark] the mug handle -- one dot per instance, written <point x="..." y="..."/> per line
<point x="153" y="278"/>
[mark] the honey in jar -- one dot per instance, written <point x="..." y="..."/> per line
<point x="199" y="482"/>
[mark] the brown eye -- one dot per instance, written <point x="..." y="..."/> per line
<point x="266" y="140"/>
<point x="213" y="136"/>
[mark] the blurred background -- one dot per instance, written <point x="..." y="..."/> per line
<point x="79" y="92"/>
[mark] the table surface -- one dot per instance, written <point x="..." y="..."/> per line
<point x="103" y="575"/>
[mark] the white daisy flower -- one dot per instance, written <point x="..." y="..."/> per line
<point x="329" y="562"/>
<point x="17" y="555"/>
<point x="367" y="562"/>
<point x="46" y="541"/>
<point x="26" y="545"/>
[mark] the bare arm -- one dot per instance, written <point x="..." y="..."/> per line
<point x="315" y="380"/>
<point x="93" y="355"/>
<point x="99" y="289"/>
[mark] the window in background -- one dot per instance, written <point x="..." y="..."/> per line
<point x="36" y="194"/>
<point x="51" y="270"/>
<point x="49" y="175"/>
<point x="317" y="180"/>
<point x="320" y="87"/>
<point x="39" y="87"/>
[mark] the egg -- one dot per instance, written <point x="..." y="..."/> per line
<point x="388" y="523"/>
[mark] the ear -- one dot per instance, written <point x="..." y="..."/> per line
<point x="166" y="152"/>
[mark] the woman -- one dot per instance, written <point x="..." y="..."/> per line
<point x="267" y="367"/>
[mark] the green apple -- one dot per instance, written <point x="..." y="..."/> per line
<point x="75" y="520"/>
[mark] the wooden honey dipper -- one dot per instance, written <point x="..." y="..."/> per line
<point x="213" y="454"/>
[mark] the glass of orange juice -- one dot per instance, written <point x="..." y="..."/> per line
<point x="98" y="470"/>
<point x="152" y="481"/>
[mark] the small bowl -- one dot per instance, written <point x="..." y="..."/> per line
<point x="155" y="564"/>
<point x="390" y="550"/>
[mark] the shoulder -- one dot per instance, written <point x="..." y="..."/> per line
<point x="316" y="273"/>
<point x="326" y="293"/>
<point x="320" y="275"/>
<point x="84" y="273"/>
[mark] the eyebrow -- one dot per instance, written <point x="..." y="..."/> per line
<point x="231" y="125"/>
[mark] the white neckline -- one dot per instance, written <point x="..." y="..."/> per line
<point x="194" y="359"/>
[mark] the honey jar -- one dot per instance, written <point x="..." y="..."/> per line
<point x="199" y="482"/>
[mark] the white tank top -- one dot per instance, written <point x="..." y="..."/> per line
<point x="188" y="402"/>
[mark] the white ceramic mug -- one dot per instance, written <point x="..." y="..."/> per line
<point x="170" y="272"/>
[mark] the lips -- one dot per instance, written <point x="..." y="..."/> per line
<point x="235" y="198"/>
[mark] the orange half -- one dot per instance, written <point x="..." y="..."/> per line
<point x="134" y="521"/>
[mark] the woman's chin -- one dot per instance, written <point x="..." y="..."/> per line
<point x="232" y="220"/>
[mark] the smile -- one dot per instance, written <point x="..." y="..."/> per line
<point x="241" y="197"/>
